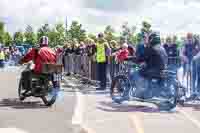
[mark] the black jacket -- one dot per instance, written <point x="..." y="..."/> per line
<point x="155" y="59"/>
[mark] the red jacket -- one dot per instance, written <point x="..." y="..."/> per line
<point x="122" y="54"/>
<point x="45" y="55"/>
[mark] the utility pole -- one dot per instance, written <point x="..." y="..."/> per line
<point x="66" y="29"/>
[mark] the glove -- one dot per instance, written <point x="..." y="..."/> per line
<point x="143" y="65"/>
<point x="20" y="62"/>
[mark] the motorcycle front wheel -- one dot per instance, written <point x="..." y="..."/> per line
<point x="119" y="86"/>
<point x="170" y="90"/>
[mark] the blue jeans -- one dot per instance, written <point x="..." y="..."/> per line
<point x="1" y="63"/>
<point x="139" y="82"/>
<point x="173" y="67"/>
<point x="196" y="73"/>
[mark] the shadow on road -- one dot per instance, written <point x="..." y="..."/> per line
<point x="195" y="106"/>
<point x="16" y="104"/>
<point x="113" y="107"/>
<point x="86" y="91"/>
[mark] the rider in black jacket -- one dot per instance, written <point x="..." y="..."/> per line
<point x="155" y="57"/>
<point x="153" y="62"/>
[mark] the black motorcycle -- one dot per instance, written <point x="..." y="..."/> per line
<point x="44" y="86"/>
<point x="162" y="90"/>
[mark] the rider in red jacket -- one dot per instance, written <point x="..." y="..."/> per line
<point x="42" y="55"/>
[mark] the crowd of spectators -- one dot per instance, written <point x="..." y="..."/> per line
<point x="80" y="58"/>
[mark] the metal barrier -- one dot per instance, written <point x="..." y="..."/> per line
<point x="87" y="68"/>
<point x="80" y="65"/>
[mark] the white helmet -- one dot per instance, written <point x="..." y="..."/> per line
<point x="125" y="45"/>
<point x="44" y="41"/>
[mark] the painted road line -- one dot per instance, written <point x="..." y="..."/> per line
<point x="87" y="129"/>
<point x="137" y="123"/>
<point x="11" y="130"/>
<point x="190" y="117"/>
<point x="77" y="118"/>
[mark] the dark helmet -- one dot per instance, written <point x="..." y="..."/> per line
<point x="154" y="39"/>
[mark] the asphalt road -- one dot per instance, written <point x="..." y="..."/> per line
<point x="31" y="116"/>
<point x="82" y="109"/>
<point x="100" y="115"/>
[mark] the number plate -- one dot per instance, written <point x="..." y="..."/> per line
<point x="57" y="77"/>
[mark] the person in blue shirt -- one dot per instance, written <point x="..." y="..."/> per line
<point x="196" y="69"/>
<point x="188" y="53"/>
<point x="172" y="51"/>
<point x="140" y="47"/>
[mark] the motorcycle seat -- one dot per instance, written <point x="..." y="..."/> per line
<point x="166" y="73"/>
<point x="39" y="76"/>
<point x="157" y="76"/>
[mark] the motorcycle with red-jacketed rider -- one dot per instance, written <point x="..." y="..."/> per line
<point x="44" y="86"/>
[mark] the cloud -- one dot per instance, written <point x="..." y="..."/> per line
<point x="166" y="15"/>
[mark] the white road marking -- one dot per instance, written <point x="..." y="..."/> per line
<point x="137" y="123"/>
<point x="77" y="118"/>
<point x="190" y="117"/>
<point x="87" y="129"/>
<point x="11" y="130"/>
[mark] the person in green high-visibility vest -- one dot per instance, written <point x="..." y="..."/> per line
<point x="101" y="59"/>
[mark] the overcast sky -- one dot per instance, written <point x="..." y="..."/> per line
<point x="166" y="15"/>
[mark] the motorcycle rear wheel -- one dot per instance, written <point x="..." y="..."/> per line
<point x="53" y="92"/>
<point x="21" y="90"/>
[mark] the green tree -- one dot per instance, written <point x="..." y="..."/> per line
<point x="60" y="34"/>
<point x="57" y="35"/>
<point x="127" y="32"/>
<point x="7" y="39"/>
<point x="134" y="39"/>
<point x="18" y="37"/>
<point x="30" y="37"/>
<point x="2" y="32"/>
<point x="92" y="36"/>
<point x="52" y="37"/>
<point x="109" y="33"/>
<point x="43" y="31"/>
<point x="146" y="27"/>
<point x="77" y="32"/>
